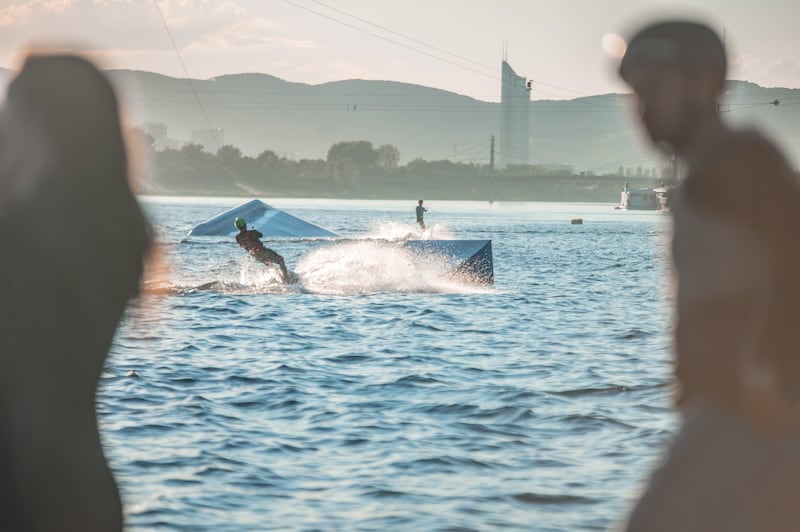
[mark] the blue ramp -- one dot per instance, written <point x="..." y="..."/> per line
<point x="466" y="260"/>
<point x="272" y="222"/>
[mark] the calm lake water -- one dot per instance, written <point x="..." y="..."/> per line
<point x="374" y="395"/>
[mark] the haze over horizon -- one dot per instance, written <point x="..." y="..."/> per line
<point x="446" y="45"/>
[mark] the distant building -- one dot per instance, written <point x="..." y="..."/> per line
<point x="158" y="132"/>
<point x="210" y="139"/>
<point x="515" y="100"/>
<point x="561" y="168"/>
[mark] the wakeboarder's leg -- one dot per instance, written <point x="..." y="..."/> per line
<point x="284" y="272"/>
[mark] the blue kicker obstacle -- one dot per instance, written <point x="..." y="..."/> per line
<point x="272" y="222"/>
<point x="467" y="260"/>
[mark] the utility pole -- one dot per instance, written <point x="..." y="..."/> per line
<point x="491" y="170"/>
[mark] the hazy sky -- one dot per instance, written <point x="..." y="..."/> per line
<point x="557" y="43"/>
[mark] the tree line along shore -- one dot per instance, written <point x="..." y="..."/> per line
<point x="359" y="170"/>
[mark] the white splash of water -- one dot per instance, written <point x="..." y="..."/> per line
<point x="369" y="263"/>
<point x="261" y="278"/>
<point x="375" y="266"/>
<point x="396" y="231"/>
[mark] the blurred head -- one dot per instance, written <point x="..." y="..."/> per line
<point x="240" y="223"/>
<point x="420" y="202"/>
<point x="65" y="107"/>
<point x="677" y="70"/>
<point x="65" y="164"/>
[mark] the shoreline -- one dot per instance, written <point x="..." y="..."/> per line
<point x="561" y="189"/>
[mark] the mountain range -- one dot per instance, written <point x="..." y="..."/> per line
<point x="259" y="112"/>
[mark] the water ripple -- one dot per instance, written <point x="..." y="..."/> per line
<point x="374" y="397"/>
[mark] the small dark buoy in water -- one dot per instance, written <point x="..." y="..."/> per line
<point x="132" y="373"/>
<point x="576" y="221"/>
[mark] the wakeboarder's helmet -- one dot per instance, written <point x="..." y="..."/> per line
<point x="240" y="223"/>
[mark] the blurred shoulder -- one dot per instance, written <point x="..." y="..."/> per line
<point x="749" y="149"/>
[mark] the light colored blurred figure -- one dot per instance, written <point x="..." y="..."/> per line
<point x="73" y="239"/>
<point x="735" y="464"/>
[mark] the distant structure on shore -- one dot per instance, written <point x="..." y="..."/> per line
<point x="159" y="137"/>
<point x="211" y="139"/>
<point x="515" y="100"/>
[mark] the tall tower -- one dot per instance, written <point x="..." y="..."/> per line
<point x="515" y="99"/>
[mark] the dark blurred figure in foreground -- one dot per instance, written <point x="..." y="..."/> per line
<point x="73" y="239"/>
<point x="735" y="464"/>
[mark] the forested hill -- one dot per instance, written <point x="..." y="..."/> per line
<point x="259" y="112"/>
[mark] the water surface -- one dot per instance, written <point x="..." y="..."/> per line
<point x="376" y="395"/>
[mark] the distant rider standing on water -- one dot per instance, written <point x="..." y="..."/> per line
<point x="250" y="240"/>
<point x="420" y="215"/>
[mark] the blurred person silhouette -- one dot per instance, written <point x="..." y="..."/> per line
<point x="73" y="238"/>
<point x="735" y="462"/>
